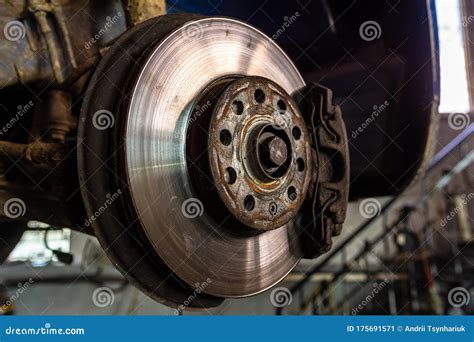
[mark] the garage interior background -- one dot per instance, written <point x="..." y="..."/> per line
<point x="423" y="265"/>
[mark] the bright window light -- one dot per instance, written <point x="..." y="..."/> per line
<point x="454" y="88"/>
<point x="32" y="247"/>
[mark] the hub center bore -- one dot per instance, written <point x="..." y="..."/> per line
<point x="269" y="153"/>
<point x="273" y="152"/>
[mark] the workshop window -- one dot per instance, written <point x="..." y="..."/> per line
<point x="454" y="86"/>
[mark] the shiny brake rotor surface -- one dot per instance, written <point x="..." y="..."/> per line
<point x="175" y="221"/>
<point x="101" y="166"/>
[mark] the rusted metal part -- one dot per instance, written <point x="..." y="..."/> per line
<point x="40" y="10"/>
<point x="38" y="179"/>
<point x="324" y="211"/>
<point x="259" y="152"/>
<point x="60" y="17"/>
<point x="141" y="10"/>
<point x="44" y="49"/>
<point x="50" y="154"/>
<point x="22" y="60"/>
<point x="58" y="117"/>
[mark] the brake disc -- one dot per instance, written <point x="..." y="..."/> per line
<point x="160" y="110"/>
<point x="101" y="166"/>
<point x="212" y="157"/>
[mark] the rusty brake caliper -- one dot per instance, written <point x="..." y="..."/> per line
<point x="324" y="210"/>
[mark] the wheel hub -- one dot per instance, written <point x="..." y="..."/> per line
<point x="259" y="153"/>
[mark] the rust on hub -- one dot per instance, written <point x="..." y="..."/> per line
<point x="251" y="143"/>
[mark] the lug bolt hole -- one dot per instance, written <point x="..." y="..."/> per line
<point x="292" y="193"/>
<point x="273" y="208"/>
<point x="230" y="175"/>
<point x="238" y="107"/>
<point x="225" y="137"/>
<point x="249" y="203"/>
<point x="259" y="96"/>
<point x="281" y="106"/>
<point x="300" y="164"/>
<point x="296" y="133"/>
